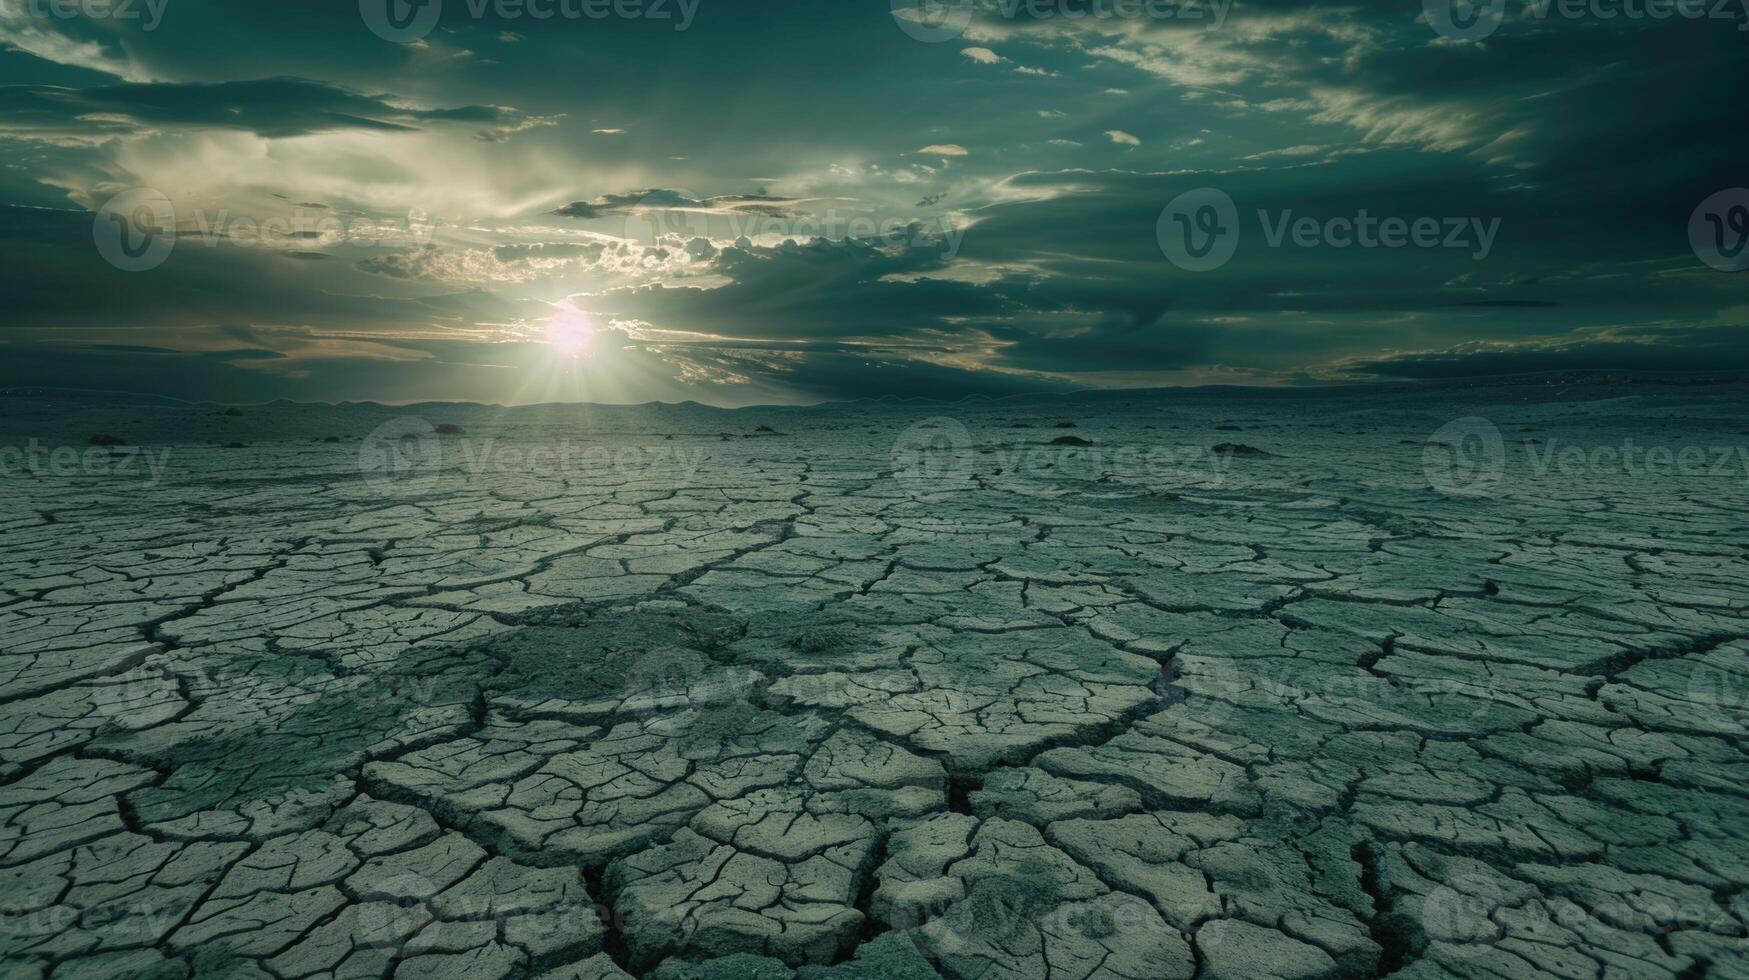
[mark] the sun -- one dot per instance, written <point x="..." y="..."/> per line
<point x="569" y="334"/>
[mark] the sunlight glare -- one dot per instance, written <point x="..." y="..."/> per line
<point x="569" y="334"/>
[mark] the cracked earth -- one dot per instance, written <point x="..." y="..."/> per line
<point x="1221" y="687"/>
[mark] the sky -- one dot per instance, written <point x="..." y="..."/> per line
<point x="764" y="201"/>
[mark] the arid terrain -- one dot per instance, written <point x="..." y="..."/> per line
<point x="1426" y="683"/>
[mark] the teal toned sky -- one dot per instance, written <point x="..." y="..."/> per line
<point x="747" y="201"/>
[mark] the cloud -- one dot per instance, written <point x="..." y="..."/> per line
<point x="1563" y="131"/>
<point x="60" y="283"/>
<point x="272" y="107"/>
<point x="22" y="29"/>
<point x="511" y="125"/>
<point x="1690" y="348"/>
<point x="1300" y="150"/>
<point x="662" y="198"/>
<point x="548" y="250"/>
<point x="812" y="290"/>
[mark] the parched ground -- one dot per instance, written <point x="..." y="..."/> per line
<point x="1211" y="685"/>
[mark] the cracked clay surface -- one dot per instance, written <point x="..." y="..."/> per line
<point x="874" y="691"/>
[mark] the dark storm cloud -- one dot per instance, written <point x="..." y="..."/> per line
<point x="1712" y="348"/>
<point x="607" y="205"/>
<point x="1550" y="248"/>
<point x="272" y="107"/>
<point x="1618" y="115"/>
<point x="57" y="279"/>
<point x="832" y="371"/>
<point x="398" y="265"/>
<point x="548" y="250"/>
<point x="816" y="289"/>
<point x="661" y="198"/>
<point x="1590" y="141"/>
<point x="1096" y="295"/>
<point x="1126" y="348"/>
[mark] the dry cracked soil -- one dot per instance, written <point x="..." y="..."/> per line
<point x="1425" y="683"/>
